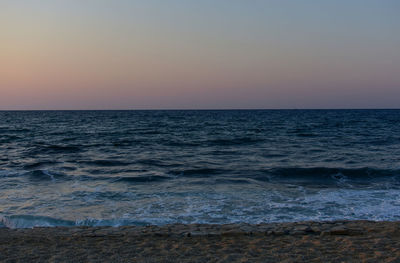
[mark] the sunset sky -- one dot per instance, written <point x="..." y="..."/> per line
<point x="187" y="54"/>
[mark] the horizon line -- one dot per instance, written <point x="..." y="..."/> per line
<point x="199" y="109"/>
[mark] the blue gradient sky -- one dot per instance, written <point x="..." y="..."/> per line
<point x="99" y="54"/>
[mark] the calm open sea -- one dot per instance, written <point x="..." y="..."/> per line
<point x="65" y="168"/>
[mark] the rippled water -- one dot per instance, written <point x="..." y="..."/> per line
<point x="158" y="167"/>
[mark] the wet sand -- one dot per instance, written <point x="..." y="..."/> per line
<point x="340" y="241"/>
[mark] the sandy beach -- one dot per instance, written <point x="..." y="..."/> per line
<point x="339" y="241"/>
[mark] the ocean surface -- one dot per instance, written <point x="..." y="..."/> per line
<point x="66" y="168"/>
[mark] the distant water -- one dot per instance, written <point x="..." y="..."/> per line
<point x="158" y="167"/>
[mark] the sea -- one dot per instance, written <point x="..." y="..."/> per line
<point x="116" y="168"/>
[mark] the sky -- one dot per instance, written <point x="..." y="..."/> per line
<point x="190" y="54"/>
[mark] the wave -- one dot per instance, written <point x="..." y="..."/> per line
<point x="8" y="130"/>
<point x="7" y="138"/>
<point x="106" y="163"/>
<point x="39" y="164"/>
<point x="326" y="175"/>
<point x="126" y="142"/>
<point x="232" y="181"/>
<point x="302" y="132"/>
<point x="175" y="143"/>
<point x="141" y="179"/>
<point x="8" y="173"/>
<point x="53" y="149"/>
<point x="155" y="162"/>
<point x="203" y="172"/>
<point x="112" y="163"/>
<point x="313" y="172"/>
<point x="36" y="175"/>
<point x="235" y="141"/>
<point x="300" y="175"/>
<point x="29" y="221"/>
<point x="45" y="175"/>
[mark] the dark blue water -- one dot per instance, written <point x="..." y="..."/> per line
<point x="159" y="167"/>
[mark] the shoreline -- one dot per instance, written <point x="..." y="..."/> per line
<point x="332" y="241"/>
